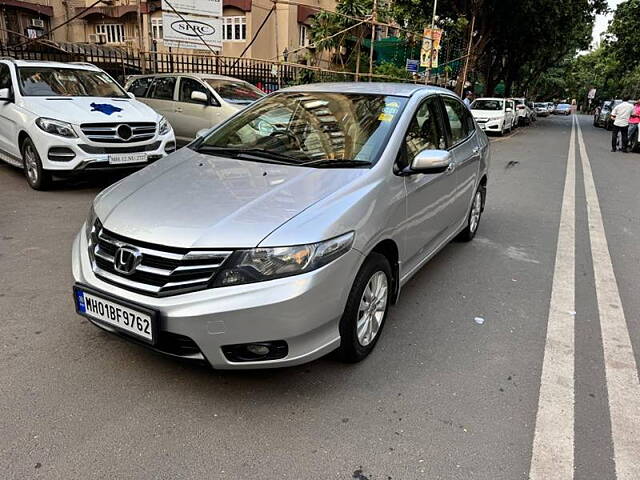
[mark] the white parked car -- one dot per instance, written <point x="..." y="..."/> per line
<point x="524" y="114"/>
<point x="493" y="114"/>
<point x="193" y="102"/>
<point x="66" y="118"/>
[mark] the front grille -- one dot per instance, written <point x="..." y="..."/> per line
<point x="161" y="272"/>
<point x="119" y="132"/>
<point x="129" y="149"/>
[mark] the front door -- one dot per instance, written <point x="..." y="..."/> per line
<point x="429" y="196"/>
<point x="8" y="120"/>
<point x="191" y="115"/>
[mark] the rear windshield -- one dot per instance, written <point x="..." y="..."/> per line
<point x="481" y="104"/>
<point x="236" y="92"/>
<point x="67" y="82"/>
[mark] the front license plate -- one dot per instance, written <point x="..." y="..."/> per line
<point x="135" y="321"/>
<point x="124" y="158"/>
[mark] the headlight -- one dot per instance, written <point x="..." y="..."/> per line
<point x="56" y="127"/>
<point x="163" y="126"/>
<point x="90" y="222"/>
<point x="260" y="264"/>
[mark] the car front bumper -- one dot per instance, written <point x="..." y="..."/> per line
<point x="77" y="155"/>
<point x="493" y="125"/>
<point x="303" y="310"/>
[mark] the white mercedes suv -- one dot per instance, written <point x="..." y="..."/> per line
<point x="66" y="118"/>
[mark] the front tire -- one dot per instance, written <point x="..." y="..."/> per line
<point x="366" y="310"/>
<point x="37" y="177"/>
<point x="473" y="218"/>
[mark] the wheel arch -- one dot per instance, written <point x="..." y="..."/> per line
<point x="389" y="249"/>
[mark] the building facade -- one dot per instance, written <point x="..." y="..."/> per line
<point x="136" y="25"/>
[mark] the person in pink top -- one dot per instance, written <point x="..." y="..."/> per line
<point x="634" y="120"/>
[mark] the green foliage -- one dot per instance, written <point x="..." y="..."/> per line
<point x="391" y="70"/>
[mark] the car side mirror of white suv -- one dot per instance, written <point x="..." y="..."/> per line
<point x="5" y="95"/>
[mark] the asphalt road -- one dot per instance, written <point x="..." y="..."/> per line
<point x="442" y="397"/>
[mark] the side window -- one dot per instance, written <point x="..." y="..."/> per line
<point x="5" y="76"/>
<point x="140" y="86"/>
<point x="424" y="132"/>
<point x="458" y="121"/>
<point x="163" y="88"/>
<point x="188" y="86"/>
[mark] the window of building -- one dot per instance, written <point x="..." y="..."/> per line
<point x="156" y="28"/>
<point x="114" y="32"/>
<point x="303" y="35"/>
<point x="234" y="29"/>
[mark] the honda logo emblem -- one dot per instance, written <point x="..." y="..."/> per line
<point x="126" y="260"/>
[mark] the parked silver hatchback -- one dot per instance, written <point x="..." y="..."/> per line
<point x="288" y="231"/>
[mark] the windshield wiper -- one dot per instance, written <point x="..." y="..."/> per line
<point x="259" y="154"/>
<point x="327" y="163"/>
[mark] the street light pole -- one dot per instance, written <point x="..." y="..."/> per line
<point x="374" y="18"/>
<point x="433" y="24"/>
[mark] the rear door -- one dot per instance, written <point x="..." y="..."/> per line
<point x="463" y="144"/>
<point x="191" y="115"/>
<point x="161" y="96"/>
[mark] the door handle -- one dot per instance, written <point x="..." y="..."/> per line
<point x="450" y="168"/>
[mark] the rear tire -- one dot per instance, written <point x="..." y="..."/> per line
<point x="475" y="213"/>
<point x="366" y="309"/>
<point x="37" y="177"/>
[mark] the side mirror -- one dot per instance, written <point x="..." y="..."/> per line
<point x="430" y="161"/>
<point x="131" y="95"/>
<point x="5" y="95"/>
<point x="199" y="97"/>
<point x="202" y="132"/>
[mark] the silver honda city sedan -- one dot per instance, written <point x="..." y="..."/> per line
<point x="287" y="231"/>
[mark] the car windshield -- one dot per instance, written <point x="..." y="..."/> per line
<point x="236" y="92"/>
<point x="67" y="82"/>
<point x="314" y="128"/>
<point x="482" y="104"/>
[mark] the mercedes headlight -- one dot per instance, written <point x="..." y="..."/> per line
<point x="260" y="264"/>
<point x="90" y="222"/>
<point x="164" y="126"/>
<point x="56" y="127"/>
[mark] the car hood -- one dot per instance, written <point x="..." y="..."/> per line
<point x="78" y="110"/>
<point x="487" y="113"/>
<point x="191" y="200"/>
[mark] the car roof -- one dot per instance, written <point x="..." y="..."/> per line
<point x="372" y="88"/>
<point x="492" y="98"/>
<point x="47" y="64"/>
<point x="202" y="76"/>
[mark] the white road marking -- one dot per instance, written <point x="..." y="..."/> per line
<point x="621" y="370"/>
<point x="553" y="444"/>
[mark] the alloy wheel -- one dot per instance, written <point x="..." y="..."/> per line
<point x="476" y="210"/>
<point x="31" y="163"/>
<point x="373" y="305"/>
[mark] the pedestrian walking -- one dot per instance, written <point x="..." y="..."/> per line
<point x="634" y="120"/>
<point x="621" y="115"/>
<point x="468" y="99"/>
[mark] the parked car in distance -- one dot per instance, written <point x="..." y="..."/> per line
<point x="192" y="101"/>
<point x="541" y="109"/>
<point x="63" y="119"/>
<point x="562" y="109"/>
<point x="607" y="121"/>
<point x="493" y="114"/>
<point x="523" y="113"/>
<point x="263" y="245"/>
